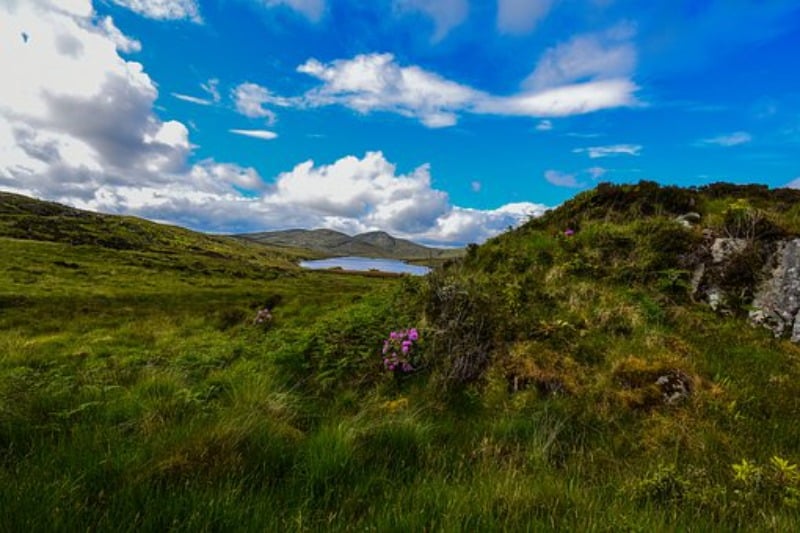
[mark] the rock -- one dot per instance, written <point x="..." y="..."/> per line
<point x="263" y="316"/>
<point x="675" y="386"/>
<point x="777" y="300"/>
<point x="723" y="248"/>
<point x="697" y="278"/>
<point x="688" y="219"/>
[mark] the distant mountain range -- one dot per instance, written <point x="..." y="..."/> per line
<point x="334" y="243"/>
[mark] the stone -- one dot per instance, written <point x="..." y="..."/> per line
<point x="723" y="248"/>
<point x="688" y="219"/>
<point x="675" y="386"/>
<point x="776" y="304"/>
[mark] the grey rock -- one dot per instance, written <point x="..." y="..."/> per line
<point x="675" y="386"/>
<point x="776" y="304"/>
<point x="723" y="248"/>
<point x="688" y="219"/>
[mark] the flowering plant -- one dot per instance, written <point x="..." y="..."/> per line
<point x="398" y="350"/>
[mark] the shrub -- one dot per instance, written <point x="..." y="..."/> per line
<point x="459" y="313"/>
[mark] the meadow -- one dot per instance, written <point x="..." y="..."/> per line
<point x="137" y="393"/>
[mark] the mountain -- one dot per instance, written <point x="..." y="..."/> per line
<point x="334" y="243"/>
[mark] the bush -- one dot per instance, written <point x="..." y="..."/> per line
<point x="459" y="314"/>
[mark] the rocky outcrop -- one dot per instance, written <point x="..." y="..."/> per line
<point x="712" y="265"/>
<point x="733" y="273"/>
<point x="777" y="301"/>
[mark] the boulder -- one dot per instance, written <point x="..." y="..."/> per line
<point x="776" y="304"/>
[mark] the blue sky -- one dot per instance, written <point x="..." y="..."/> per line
<point x="443" y="121"/>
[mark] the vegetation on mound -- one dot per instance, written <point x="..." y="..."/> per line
<point x="560" y="381"/>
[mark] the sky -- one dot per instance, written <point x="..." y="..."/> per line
<point x="443" y="121"/>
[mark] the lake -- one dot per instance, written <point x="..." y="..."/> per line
<point x="366" y="264"/>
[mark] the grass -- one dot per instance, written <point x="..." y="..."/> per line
<point x="137" y="394"/>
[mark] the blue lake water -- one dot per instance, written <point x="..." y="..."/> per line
<point x="365" y="264"/>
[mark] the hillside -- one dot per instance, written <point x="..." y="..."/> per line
<point x="30" y="219"/>
<point x="333" y="243"/>
<point x="601" y="368"/>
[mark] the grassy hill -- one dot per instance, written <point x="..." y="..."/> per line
<point x="333" y="243"/>
<point x="569" y="381"/>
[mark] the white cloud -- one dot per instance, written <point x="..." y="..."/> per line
<point x="311" y="9"/>
<point x="122" y="42"/>
<point x="596" y="152"/>
<point x="210" y="88"/>
<point x="193" y="99"/>
<point x="596" y="172"/>
<point x="608" y="55"/>
<point x="562" y="179"/>
<point x="446" y="14"/>
<point x="794" y="184"/>
<point x="521" y="16"/>
<point x="164" y="9"/>
<point x="733" y="139"/>
<point x="568" y="100"/>
<point x="250" y="99"/>
<point x="375" y="82"/>
<point x="257" y="134"/>
<point x="78" y="127"/>
<point x="544" y="125"/>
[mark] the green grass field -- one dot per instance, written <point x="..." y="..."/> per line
<point x="136" y="394"/>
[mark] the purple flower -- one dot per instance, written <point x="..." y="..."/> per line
<point x="413" y="334"/>
<point x="407" y="367"/>
<point x="569" y="232"/>
<point x="406" y="346"/>
<point x="394" y="335"/>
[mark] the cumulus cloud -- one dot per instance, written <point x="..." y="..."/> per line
<point x="446" y="14"/>
<point x="311" y="9"/>
<point x="794" y="184"/>
<point x="544" y="125"/>
<point x="375" y="82"/>
<point x="596" y="152"/>
<point x="521" y="16"/>
<point x="732" y="139"/>
<point x="78" y="127"/>
<point x="77" y="123"/>
<point x="257" y="134"/>
<point x="164" y="9"/>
